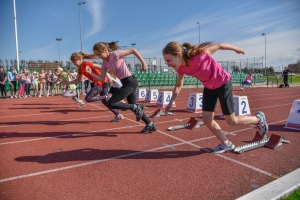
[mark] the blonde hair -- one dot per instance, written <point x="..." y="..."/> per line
<point x="110" y="46"/>
<point x="59" y="70"/>
<point x="81" y="55"/>
<point x="187" y="49"/>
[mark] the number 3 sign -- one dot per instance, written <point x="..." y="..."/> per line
<point x="194" y="103"/>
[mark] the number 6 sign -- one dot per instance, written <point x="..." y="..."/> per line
<point x="141" y="94"/>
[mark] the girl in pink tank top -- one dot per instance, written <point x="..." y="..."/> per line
<point x="196" y="60"/>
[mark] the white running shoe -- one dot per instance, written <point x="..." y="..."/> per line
<point x="117" y="118"/>
<point x="221" y="148"/>
<point x="262" y="126"/>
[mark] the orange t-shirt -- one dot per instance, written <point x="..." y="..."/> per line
<point x="81" y="70"/>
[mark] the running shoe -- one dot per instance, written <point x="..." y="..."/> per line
<point x="139" y="111"/>
<point x="262" y="125"/>
<point x="117" y="118"/>
<point x="149" y="128"/>
<point x="81" y="105"/>
<point x="221" y="148"/>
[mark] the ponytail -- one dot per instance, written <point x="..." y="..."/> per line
<point x="101" y="46"/>
<point x="187" y="49"/>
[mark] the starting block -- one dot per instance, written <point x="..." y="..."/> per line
<point x="164" y="98"/>
<point x="192" y="123"/>
<point x="158" y="113"/>
<point x="194" y="103"/>
<point x="151" y="96"/>
<point x="241" y="106"/>
<point x="272" y="142"/>
<point x="293" y="121"/>
<point x="140" y="94"/>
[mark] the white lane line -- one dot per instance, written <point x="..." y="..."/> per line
<point x="88" y="132"/>
<point x="27" y="115"/>
<point x="124" y="156"/>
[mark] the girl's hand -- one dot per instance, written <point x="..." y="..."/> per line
<point x="240" y="51"/>
<point x="63" y="82"/>
<point x="88" y="70"/>
<point x="144" y="67"/>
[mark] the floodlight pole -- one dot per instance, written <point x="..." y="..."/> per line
<point x="16" y="34"/>
<point x="133" y="44"/>
<point x="199" y="44"/>
<point x="58" y="40"/>
<point x="79" y="4"/>
<point x="263" y="34"/>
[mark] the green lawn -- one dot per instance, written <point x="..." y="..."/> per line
<point x="294" y="196"/>
<point x="292" y="79"/>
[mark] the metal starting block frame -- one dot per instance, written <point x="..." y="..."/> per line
<point x="272" y="142"/>
<point x="192" y="123"/>
<point x="158" y="113"/>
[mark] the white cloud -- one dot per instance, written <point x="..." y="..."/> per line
<point x="94" y="7"/>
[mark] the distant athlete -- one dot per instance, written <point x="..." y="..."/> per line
<point x="63" y="76"/>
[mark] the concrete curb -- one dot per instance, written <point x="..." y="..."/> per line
<point x="276" y="189"/>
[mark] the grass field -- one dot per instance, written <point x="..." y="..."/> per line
<point x="294" y="196"/>
<point x="292" y="79"/>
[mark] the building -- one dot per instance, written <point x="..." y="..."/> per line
<point x="33" y="65"/>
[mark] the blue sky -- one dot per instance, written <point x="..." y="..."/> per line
<point x="151" y="25"/>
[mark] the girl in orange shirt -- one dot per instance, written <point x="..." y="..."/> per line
<point x="100" y="87"/>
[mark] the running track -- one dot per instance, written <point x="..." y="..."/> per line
<point x="50" y="149"/>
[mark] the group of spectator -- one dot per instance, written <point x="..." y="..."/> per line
<point x="35" y="84"/>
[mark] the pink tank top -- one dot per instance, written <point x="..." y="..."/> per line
<point x="207" y="70"/>
<point x="117" y="65"/>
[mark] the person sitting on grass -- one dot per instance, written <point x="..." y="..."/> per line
<point x="248" y="80"/>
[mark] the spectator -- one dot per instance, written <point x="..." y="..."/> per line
<point x="42" y="78"/>
<point x="35" y="83"/>
<point x="21" y="81"/>
<point x="56" y="86"/>
<point x="49" y="78"/>
<point x="27" y="83"/>
<point x="285" y="76"/>
<point x="259" y="73"/>
<point x="12" y="81"/>
<point x="3" y="78"/>
<point x="248" y="80"/>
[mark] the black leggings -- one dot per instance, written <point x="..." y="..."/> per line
<point x="3" y="90"/>
<point x="126" y="91"/>
<point x="102" y="90"/>
<point x="27" y="89"/>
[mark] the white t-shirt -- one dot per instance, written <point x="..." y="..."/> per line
<point x="116" y="82"/>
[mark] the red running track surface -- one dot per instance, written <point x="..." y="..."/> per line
<point x="50" y="149"/>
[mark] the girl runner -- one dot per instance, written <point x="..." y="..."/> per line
<point x="70" y="89"/>
<point x="113" y="60"/>
<point x="196" y="60"/>
<point x="100" y="87"/>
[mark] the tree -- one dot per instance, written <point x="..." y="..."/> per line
<point x="235" y="69"/>
<point x="1" y="63"/>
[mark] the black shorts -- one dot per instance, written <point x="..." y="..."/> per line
<point x="49" y="83"/>
<point x="224" y="94"/>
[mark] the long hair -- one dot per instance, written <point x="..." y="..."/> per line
<point x="187" y="49"/>
<point x="110" y="46"/>
<point x="2" y="69"/>
<point x="81" y="55"/>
